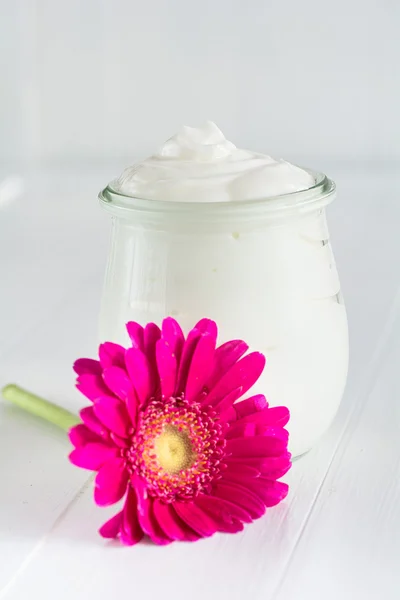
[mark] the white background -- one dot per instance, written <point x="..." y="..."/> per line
<point x="94" y="79"/>
<point x="87" y="85"/>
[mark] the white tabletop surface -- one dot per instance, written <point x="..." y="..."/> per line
<point x="337" y="536"/>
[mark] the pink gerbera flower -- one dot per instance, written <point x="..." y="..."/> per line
<point x="165" y="431"/>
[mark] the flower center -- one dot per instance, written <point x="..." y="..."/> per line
<point x="173" y="450"/>
<point x="177" y="448"/>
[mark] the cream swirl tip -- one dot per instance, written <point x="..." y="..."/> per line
<point x="199" y="164"/>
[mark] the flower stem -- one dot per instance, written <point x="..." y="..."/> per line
<point x="40" y="407"/>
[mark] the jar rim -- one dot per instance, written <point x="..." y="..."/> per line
<point x="318" y="195"/>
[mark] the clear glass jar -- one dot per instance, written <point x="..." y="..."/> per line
<point x="263" y="270"/>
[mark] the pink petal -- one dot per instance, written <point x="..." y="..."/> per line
<point x="167" y="368"/>
<point x="278" y="415"/>
<point x="240" y="429"/>
<point x="111" y="482"/>
<point x="224" y="507"/>
<point x="118" y="382"/>
<point x="132" y="406"/>
<point x="222" y="520"/>
<point x="228" y="415"/>
<point x="237" y="471"/>
<point x="243" y="375"/>
<point x="83" y="366"/>
<point x="273" y="467"/>
<point x="200" y="366"/>
<point x="272" y="432"/>
<point x="110" y="529"/>
<point x="172" y="524"/>
<point x="250" y="406"/>
<point x="270" y="492"/>
<point x="257" y="446"/>
<point x="186" y="358"/>
<point x="118" y="441"/>
<point x="89" y="418"/>
<point x="207" y="326"/>
<point x="147" y="518"/>
<point x="113" y="414"/>
<point x="237" y="494"/>
<point x="91" y="386"/>
<point x="135" y="332"/>
<point x="196" y="518"/>
<point x="245" y="428"/>
<point x="131" y="532"/>
<point x="152" y="334"/>
<point x="227" y="402"/>
<point x="92" y="456"/>
<point x="225" y="357"/>
<point x="140" y="373"/>
<point x="155" y="531"/>
<point x="80" y="435"/>
<point x="111" y="355"/>
<point x="173" y="336"/>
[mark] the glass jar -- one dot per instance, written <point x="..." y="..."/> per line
<point x="263" y="270"/>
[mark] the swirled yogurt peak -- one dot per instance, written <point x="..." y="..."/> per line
<point x="199" y="164"/>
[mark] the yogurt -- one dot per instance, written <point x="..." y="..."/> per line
<point x="200" y="165"/>
<point x="272" y="282"/>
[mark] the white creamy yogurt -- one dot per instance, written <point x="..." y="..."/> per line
<point x="200" y="165"/>
<point x="272" y="283"/>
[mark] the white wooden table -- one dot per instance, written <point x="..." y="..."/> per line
<point x="338" y="533"/>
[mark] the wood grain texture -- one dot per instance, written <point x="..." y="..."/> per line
<point x="338" y="532"/>
<point x="357" y="512"/>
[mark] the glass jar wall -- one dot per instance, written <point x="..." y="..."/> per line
<point x="263" y="270"/>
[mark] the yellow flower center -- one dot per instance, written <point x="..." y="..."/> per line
<point x="173" y="450"/>
<point x="176" y="449"/>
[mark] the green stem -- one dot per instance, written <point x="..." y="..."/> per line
<point x="40" y="407"/>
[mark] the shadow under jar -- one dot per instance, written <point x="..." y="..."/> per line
<point x="263" y="270"/>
